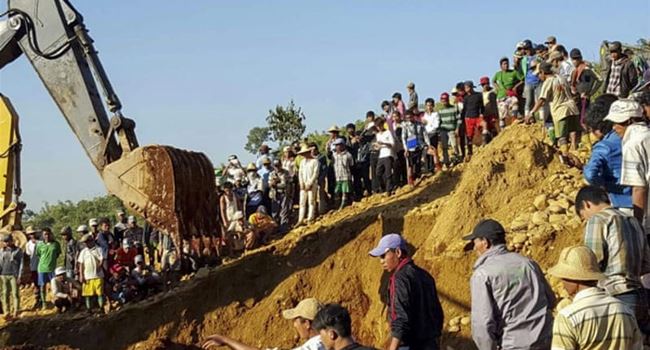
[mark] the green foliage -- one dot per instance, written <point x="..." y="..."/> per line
<point x="286" y="124"/>
<point x="256" y="137"/>
<point x="56" y="216"/>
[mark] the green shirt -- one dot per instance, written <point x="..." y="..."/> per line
<point x="47" y="254"/>
<point x="449" y="117"/>
<point x="505" y="81"/>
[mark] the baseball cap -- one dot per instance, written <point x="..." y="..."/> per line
<point x="338" y="141"/>
<point x="389" y="241"/>
<point x="138" y="259"/>
<point x="85" y="238"/>
<point x="307" y="309"/>
<point x="623" y="110"/>
<point x="469" y="83"/>
<point x="59" y="271"/>
<point x="93" y="222"/>
<point x="126" y="243"/>
<point x="484" y="81"/>
<point x="575" y="54"/>
<point x="82" y="228"/>
<point x="410" y="85"/>
<point x="444" y="96"/>
<point x="131" y="219"/>
<point x="528" y="44"/>
<point x="488" y="228"/>
<point x="66" y="230"/>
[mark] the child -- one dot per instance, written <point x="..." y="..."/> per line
<point x="343" y="163"/>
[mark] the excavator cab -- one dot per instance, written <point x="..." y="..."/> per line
<point x="172" y="189"/>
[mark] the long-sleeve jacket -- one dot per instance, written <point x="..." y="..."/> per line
<point x="511" y="302"/>
<point x="413" y="136"/>
<point x="473" y="106"/>
<point x="604" y="169"/>
<point x="71" y="252"/>
<point x="11" y="261"/>
<point x="629" y="78"/>
<point x="415" y="314"/>
<point x="308" y="173"/>
<point x="449" y="118"/>
<point x="584" y="80"/>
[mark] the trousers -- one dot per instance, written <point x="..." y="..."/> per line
<point x="9" y="287"/>
<point x="307" y="204"/>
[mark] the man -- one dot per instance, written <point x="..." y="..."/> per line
<point x="431" y="120"/>
<point x="343" y="164"/>
<point x="125" y="255"/>
<point x="398" y="104"/>
<point x="120" y="225"/>
<point x="473" y="114"/>
<point x="604" y="166"/>
<point x="621" y="76"/>
<point x="627" y="117"/>
<point x="48" y="252"/>
<point x="594" y="319"/>
<point x="352" y="145"/>
<point x="30" y="250"/>
<point x="254" y="190"/>
<point x="461" y="138"/>
<point x="414" y="310"/>
<point x="302" y="316"/>
<point x="414" y="142"/>
<point x="551" y="43"/>
<point x="620" y="246"/>
<point x="64" y="290"/>
<point x="506" y="82"/>
<point x="511" y="301"/>
<point x="145" y="278"/>
<point x="308" y="181"/>
<point x="94" y="226"/>
<point x="264" y="173"/>
<point x="265" y="154"/>
<point x="360" y="148"/>
<point x="384" y="142"/>
<point x="532" y="84"/>
<point x="281" y="194"/>
<point x="104" y="239"/>
<point x="135" y="234"/>
<point x="491" y="110"/>
<point x="584" y="82"/>
<point x="334" y="325"/>
<point x="335" y="133"/>
<point x="91" y="273"/>
<point x="413" y="98"/>
<point x="11" y="262"/>
<point x="560" y="64"/>
<point x="450" y="122"/>
<point x="399" y="163"/>
<point x="370" y="133"/>
<point x="71" y="251"/>
<point x="564" y="111"/>
<point x="234" y="171"/>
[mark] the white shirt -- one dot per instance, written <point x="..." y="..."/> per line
<point x="30" y="249"/>
<point x="386" y="137"/>
<point x="431" y="122"/>
<point x="313" y="343"/>
<point x="308" y="173"/>
<point x="566" y="68"/>
<point x="635" y="167"/>
<point x="91" y="258"/>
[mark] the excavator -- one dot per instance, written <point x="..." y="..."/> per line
<point x="172" y="189"/>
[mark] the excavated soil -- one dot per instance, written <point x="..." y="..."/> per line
<point x="516" y="179"/>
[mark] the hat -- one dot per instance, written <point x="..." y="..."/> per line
<point x="338" y="141"/>
<point x="126" y="243"/>
<point x="138" y="258"/>
<point x="410" y="85"/>
<point x="333" y="128"/>
<point x="131" y="219"/>
<point x="265" y="146"/>
<point x="444" y="96"/>
<point x="66" y="230"/>
<point x="238" y="215"/>
<point x="540" y="47"/>
<point x="484" y="81"/>
<point x="575" y="54"/>
<point x="30" y="230"/>
<point x="307" y="309"/>
<point x="520" y="45"/>
<point x="469" y="83"/>
<point x="623" y="110"/>
<point x="266" y="160"/>
<point x="454" y="91"/>
<point x="85" y="238"/>
<point x="528" y="44"/>
<point x="5" y="237"/>
<point x="59" y="271"/>
<point x="551" y="39"/>
<point x="615" y="46"/>
<point x="93" y="222"/>
<point x="488" y="228"/>
<point x="555" y="55"/>
<point x="304" y="149"/>
<point x="251" y="167"/>
<point x="232" y="157"/>
<point x="120" y="212"/>
<point x="117" y="268"/>
<point x="82" y="228"/>
<point x="389" y="241"/>
<point x="577" y="263"/>
<point x="545" y="68"/>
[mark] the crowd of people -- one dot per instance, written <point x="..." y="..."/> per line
<point x="512" y="301"/>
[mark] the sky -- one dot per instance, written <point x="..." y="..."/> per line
<point x="199" y="74"/>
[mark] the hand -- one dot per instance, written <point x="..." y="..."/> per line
<point x="406" y="153"/>
<point x="213" y="340"/>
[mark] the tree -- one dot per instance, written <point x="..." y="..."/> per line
<point x="256" y="137"/>
<point x="286" y="124"/>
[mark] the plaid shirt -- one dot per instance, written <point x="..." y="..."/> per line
<point x="343" y="163"/>
<point x="614" y="86"/>
<point x="621" y="248"/>
<point x="595" y="320"/>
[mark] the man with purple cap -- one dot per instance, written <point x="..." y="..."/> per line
<point x="414" y="311"/>
<point x="511" y="301"/>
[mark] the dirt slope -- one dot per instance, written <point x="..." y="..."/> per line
<point x="329" y="260"/>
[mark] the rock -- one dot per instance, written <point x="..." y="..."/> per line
<point x="453" y="329"/>
<point x="519" y="238"/>
<point x="563" y="203"/>
<point x="555" y="209"/>
<point x="518" y="246"/>
<point x="249" y="302"/>
<point x="540" y="202"/>
<point x="518" y="225"/>
<point x="556" y="218"/>
<point x="568" y="189"/>
<point x="465" y="321"/>
<point x="540" y="218"/>
<point x="454" y="321"/>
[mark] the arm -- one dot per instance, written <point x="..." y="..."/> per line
<point x="484" y="322"/>
<point x="595" y="238"/>
<point x="220" y="340"/>
<point x="639" y="201"/>
<point x="400" y="325"/>
<point x="633" y="170"/>
<point x="593" y="170"/>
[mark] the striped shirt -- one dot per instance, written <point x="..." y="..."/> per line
<point x="621" y="249"/>
<point x="596" y="321"/>
<point x="449" y="118"/>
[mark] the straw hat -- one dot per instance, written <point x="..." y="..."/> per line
<point x="333" y="128"/>
<point x="577" y="263"/>
<point x="251" y="167"/>
<point x="304" y="149"/>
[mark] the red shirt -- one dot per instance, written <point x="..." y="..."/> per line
<point x="125" y="258"/>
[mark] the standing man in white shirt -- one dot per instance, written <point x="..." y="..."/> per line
<point x="308" y="181"/>
<point x="385" y="142"/>
<point x="431" y="121"/>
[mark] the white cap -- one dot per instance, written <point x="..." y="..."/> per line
<point x="131" y="219"/>
<point x="624" y="110"/>
<point x="126" y="243"/>
<point x="82" y="228"/>
<point x="93" y="222"/>
<point x="138" y="259"/>
<point x="59" y="271"/>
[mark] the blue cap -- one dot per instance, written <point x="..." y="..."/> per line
<point x="338" y="141"/>
<point x="389" y="241"/>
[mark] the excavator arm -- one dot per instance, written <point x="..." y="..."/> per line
<point x="172" y="189"/>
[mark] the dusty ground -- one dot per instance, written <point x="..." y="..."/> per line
<point x="329" y="260"/>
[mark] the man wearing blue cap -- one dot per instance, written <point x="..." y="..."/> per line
<point x="414" y="310"/>
<point x="511" y="300"/>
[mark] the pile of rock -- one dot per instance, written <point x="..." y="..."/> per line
<point x="457" y="323"/>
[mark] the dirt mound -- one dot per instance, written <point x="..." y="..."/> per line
<point x="329" y="259"/>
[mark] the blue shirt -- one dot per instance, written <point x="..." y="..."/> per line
<point x="604" y="169"/>
<point x="531" y="78"/>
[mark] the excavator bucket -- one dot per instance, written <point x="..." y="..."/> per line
<point x="173" y="189"/>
